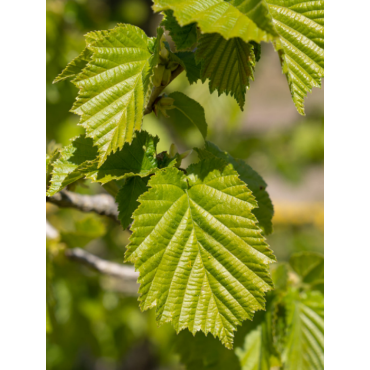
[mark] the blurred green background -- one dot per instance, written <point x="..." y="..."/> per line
<point x="94" y="322"/>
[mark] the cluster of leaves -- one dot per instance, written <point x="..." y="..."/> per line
<point x="198" y="234"/>
<point x="288" y="335"/>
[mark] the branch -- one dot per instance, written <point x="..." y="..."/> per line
<point x="158" y="90"/>
<point x="102" y="204"/>
<point x="102" y="266"/>
<point x="51" y="231"/>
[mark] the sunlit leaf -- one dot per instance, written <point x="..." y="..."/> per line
<point x="113" y="88"/>
<point x="68" y="168"/>
<point x="254" y="181"/>
<point x="202" y="260"/>
<point x="135" y="159"/>
<point x="300" y="25"/>
<point x="249" y="20"/>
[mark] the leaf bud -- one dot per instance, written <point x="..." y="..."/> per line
<point x="172" y="66"/>
<point x="158" y="75"/>
<point x="166" y="77"/>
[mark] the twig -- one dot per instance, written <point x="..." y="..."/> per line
<point x="51" y="231"/>
<point x="103" y="266"/>
<point x="158" y="90"/>
<point x="102" y="204"/>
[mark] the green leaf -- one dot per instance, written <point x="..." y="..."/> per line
<point x="254" y="181"/>
<point x="255" y="354"/>
<point x="186" y="111"/>
<point x="183" y="37"/>
<point x="135" y="159"/>
<point x="259" y="352"/>
<point x="305" y="339"/>
<point x="202" y="260"/>
<point x="309" y="266"/>
<point x="50" y="159"/>
<point x="300" y="25"/>
<point x="127" y="198"/>
<point x="248" y="20"/>
<point x="228" y="64"/>
<point x="69" y="167"/>
<point x="204" y="353"/>
<point x="279" y="274"/>
<point x="80" y="62"/>
<point x="256" y="50"/>
<point x="113" y="88"/>
<point x="154" y="44"/>
<point x="191" y="67"/>
<point x="75" y="66"/>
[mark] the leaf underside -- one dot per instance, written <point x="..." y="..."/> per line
<point x="78" y="160"/>
<point x="250" y="21"/>
<point x="135" y="159"/>
<point x="202" y="259"/>
<point x="113" y="87"/>
<point x="228" y="64"/>
<point x="300" y="45"/>
<point x="69" y="167"/>
<point x="189" y="63"/>
<point x="183" y="37"/>
<point x="296" y="28"/>
<point x="75" y="66"/>
<point x="304" y="348"/>
<point x="127" y="198"/>
<point x="254" y="181"/>
<point x="187" y="112"/>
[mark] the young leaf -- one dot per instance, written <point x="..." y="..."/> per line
<point x="135" y="159"/>
<point x="248" y="20"/>
<point x="80" y="62"/>
<point x="254" y="181"/>
<point x="186" y="111"/>
<point x="191" y="67"/>
<point x="68" y="168"/>
<point x="183" y="37"/>
<point x="255" y="354"/>
<point x="202" y="352"/>
<point x="113" y="88"/>
<point x="50" y="159"/>
<point x="258" y="352"/>
<point x="127" y="198"/>
<point x="309" y="266"/>
<point x="305" y="338"/>
<point x="300" y="25"/>
<point x="279" y="275"/>
<point x="75" y="66"/>
<point x="202" y="259"/>
<point x="228" y="64"/>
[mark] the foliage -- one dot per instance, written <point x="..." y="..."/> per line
<point x="198" y="233"/>
<point x="201" y="256"/>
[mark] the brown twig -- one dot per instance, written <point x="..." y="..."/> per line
<point x="102" y="204"/>
<point x="102" y="266"/>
